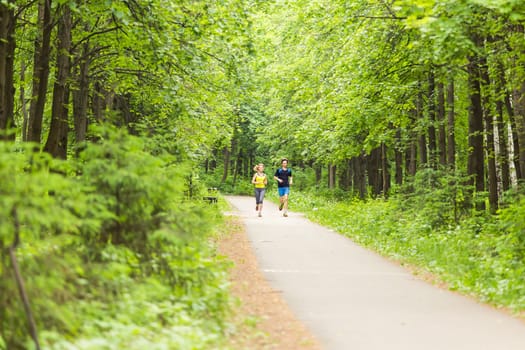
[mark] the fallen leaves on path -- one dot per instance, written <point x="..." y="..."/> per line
<point x="264" y="319"/>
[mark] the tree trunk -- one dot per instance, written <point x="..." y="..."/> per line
<point x="213" y="161"/>
<point x="515" y="138"/>
<point x="318" y="174"/>
<point x="40" y="72"/>
<point x="451" y="121"/>
<point x="489" y="132"/>
<point x="519" y="118"/>
<point x="442" y="134"/>
<point x="331" y="176"/>
<point x="81" y="95"/>
<point x="248" y="160"/>
<point x="502" y="152"/>
<point x="23" y="104"/>
<point x="398" y="159"/>
<point x="475" y="163"/>
<point x="98" y="105"/>
<point x="422" y="141"/>
<point x="432" y="144"/>
<point x="226" y="158"/>
<point x="7" y="52"/>
<point x="385" y="173"/>
<point x="359" y="166"/>
<point x="56" y="143"/>
<point x="375" y="179"/>
<point x="237" y="167"/>
<point x="411" y="156"/>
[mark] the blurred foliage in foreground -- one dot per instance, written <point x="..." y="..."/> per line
<point x="113" y="252"/>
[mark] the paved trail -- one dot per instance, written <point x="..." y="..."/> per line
<point x="352" y="299"/>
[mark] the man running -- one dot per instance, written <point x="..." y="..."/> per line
<point x="283" y="176"/>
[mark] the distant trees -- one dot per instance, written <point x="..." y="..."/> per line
<point x="396" y="89"/>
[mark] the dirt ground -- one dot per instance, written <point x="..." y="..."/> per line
<point x="263" y="319"/>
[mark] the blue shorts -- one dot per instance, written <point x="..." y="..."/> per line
<point x="283" y="191"/>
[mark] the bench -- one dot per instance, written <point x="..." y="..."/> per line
<point x="212" y="195"/>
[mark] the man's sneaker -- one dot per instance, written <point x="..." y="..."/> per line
<point x="281" y="206"/>
<point x="260" y="215"/>
<point x="285" y="214"/>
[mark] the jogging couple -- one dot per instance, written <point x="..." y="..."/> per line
<point x="283" y="176"/>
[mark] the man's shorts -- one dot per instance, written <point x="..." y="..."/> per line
<point x="283" y="191"/>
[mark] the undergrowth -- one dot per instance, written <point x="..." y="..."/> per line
<point x="113" y="252"/>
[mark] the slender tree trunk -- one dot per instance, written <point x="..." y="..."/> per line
<point x="375" y="179"/>
<point x="422" y="141"/>
<point x="237" y="168"/>
<point x="503" y="137"/>
<point x="23" y="104"/>
<point x="56" y="143"/>
<point x="514" y="134"/>
<point x="331" y="176"/>
<point x="359" y="166"/>
<point x="432" y="143"/>
<point x="398" y="159"/>
<point x="451" y="121"/>
<point x="385" y="173"/>
<point x="226" y="164"/>
<point x="519" y="116"/>
<point x="318" y="174"/>
<point x="4" y="32"/>
<point x="81" y="95"/>
<point x="519" y="98"/>
<point x="7" y="52"/>
<point x="40" y="72"/>
<point x="246" y="165"/>
<point x="475" y="163"/>
<point x="489" y="132"/>
<point x="442" y="134"/>
<point x="213" y="161"/>
<point x="98" y="104"/>
<point x="411" y="157"/>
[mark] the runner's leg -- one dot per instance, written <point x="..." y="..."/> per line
<point x="261" y="199"/>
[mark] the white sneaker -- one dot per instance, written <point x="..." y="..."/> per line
<point x="260" y="215"/>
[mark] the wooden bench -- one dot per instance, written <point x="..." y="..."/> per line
<point x="212" y="195"/>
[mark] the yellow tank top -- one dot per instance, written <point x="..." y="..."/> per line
<point x="259" y="181"/>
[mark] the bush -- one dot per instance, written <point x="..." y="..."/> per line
<point x="114" y="253"/>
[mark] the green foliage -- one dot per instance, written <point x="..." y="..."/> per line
<point x="438" y="196"/>
<point x="113" y="252"/>
<point x="512" y="221"/>
<point x="241" y="185"/>
<point x="40" y="194"/>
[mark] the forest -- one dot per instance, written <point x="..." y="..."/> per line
<point x="403" y="120"/>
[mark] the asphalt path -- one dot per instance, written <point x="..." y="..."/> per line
<point x="351" y="298"/>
